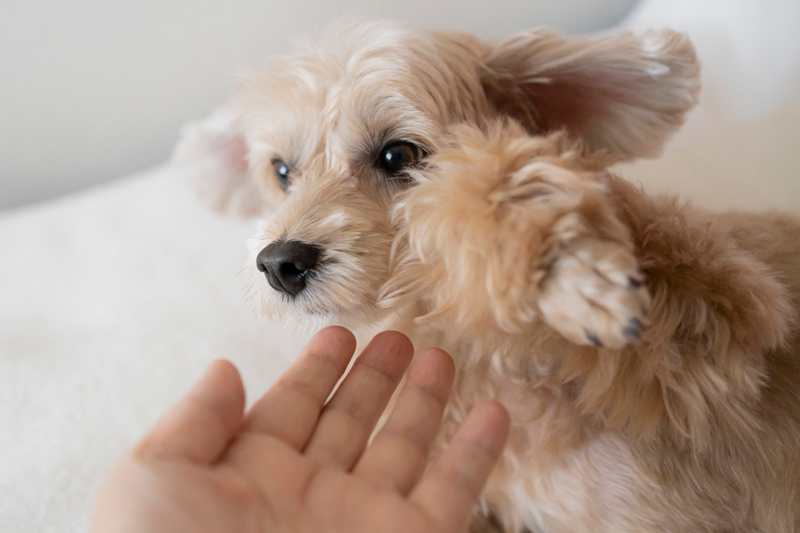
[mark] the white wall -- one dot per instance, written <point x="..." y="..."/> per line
<point x="91" y="89"/>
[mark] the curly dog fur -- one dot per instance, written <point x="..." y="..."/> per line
<point x="647" y="350"/>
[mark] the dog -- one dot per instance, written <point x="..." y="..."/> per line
<point x="459" y="190"/>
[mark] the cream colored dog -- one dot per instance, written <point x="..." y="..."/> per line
<point x="458" y="190"/>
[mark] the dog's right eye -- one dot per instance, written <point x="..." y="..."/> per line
<point x="282" y="172"/>
<point x="397" y="157"/>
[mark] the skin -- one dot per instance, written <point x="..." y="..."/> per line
<point x="297" y="463"/>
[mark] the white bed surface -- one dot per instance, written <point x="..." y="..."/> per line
<point x="113" y="302"/>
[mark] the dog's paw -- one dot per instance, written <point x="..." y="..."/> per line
<point x="526" y="227"/>
<point x="592" y="293"/>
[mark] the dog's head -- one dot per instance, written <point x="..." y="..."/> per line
<point x="332" y="135"/>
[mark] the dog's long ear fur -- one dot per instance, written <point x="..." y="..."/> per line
<point x="623" y="93"/>
<point x="214" y="153"/>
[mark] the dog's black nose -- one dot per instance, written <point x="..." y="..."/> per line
<point x="287" y="264"/>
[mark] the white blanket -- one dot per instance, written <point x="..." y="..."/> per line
<point x="112" y="303"/>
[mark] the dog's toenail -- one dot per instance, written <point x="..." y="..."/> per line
<point x="633" y="329"/>
<point x="634" y="283"/>
<point x="633" y="333"/>
<point x="594" y="339"/>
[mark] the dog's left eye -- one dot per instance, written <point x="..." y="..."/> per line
<point x="396" y="157"/>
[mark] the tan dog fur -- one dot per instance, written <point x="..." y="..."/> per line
<point x="647" y="350"/>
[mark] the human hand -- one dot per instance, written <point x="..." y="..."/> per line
<point x="295" y="463"/>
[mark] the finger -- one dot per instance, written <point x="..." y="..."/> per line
<point x="347" y="421"/>
<point x="398" y="454"/>
<point x="200" y="426"/>
<point x="290" y="408"/>
<point x="450" y="488"/>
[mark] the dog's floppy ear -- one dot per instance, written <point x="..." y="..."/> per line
<point x="623" y="93"/>
<point x="214" y="154"/>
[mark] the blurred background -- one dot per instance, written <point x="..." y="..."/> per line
<point x="117" y="287"/>
<point x="94" y="90"/>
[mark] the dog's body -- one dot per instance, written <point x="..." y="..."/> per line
<point x="693" y="428"/>
<point x="646" y="350"/>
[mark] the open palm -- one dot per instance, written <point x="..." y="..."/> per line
<point x="297" y="463"/>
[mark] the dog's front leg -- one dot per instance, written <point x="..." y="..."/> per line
<point x="506" y="234"/>
<point x="505" y="231"/>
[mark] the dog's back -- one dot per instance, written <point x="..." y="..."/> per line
<point x="774" y="239"/>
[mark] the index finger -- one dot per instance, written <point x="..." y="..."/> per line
<point x="290" y="408"/>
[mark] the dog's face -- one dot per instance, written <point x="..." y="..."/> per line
<point x="332" y="136"/>
<point x="335" y="135"/>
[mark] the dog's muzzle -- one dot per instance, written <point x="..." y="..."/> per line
<point x="288" y="265"/>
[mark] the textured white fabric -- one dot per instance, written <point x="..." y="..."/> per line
<point x="112" y="303"/>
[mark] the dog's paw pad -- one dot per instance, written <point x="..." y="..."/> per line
<point x="594" y="294"/>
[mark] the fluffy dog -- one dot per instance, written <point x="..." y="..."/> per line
<point x="458" y="190"/>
